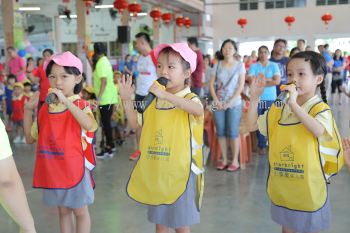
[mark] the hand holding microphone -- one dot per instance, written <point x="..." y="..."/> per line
<point x="54" y="96"/>
<point x="286" y="91"/>
<point x="141" y="107"/>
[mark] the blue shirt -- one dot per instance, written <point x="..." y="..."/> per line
<point x="8" y="94"/>
<point x="269" y="71"/>
<point x="327" y="56"/>
<point x="282" y="65"/>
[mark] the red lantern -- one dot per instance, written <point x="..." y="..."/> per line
<point x="187" y="22"/>
<point x="242" y="22"/>
<point x="326" y="18"/>
<point x="88" y="4"/>
<point x="180" y="21"/>
<point x="134" y="9"/>
<point x="166" y="17"/>
<point x="289" y="20"/>
<point x="120" y="5"/>
<point x="156" y="14"/>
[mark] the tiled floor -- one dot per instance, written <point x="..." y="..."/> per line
<point x="233" y="202"/>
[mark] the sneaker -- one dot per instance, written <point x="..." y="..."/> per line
<point x="114" y="149"/>
<point x="105" y="153"/>
<point x="17" y="140"/>
<point x="23" y="140"/>
<point x="134" y="156"/>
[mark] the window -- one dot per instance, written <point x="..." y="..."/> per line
<point x="331" y="2"/>
<point x="72" y="47"/>
<point x="277" y="4"/>
<point x="245" y="5"/>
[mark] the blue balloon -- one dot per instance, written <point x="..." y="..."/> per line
<point x="21" y="52"/>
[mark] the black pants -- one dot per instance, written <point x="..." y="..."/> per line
<point x="106" y="114"/>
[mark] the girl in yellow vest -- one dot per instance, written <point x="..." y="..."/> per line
<point x="168" y="177"/>
<point x="304" y="146"/>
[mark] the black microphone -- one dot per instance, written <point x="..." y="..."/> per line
<point x="51" y="98"/>
<point x="141" y="107"/>
<point x="284" y="95"/>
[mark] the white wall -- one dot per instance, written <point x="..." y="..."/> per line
<point x="269" y="24"/>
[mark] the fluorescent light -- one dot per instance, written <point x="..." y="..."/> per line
<point x="140" y="14"/>
<point x="29" y="9"/>
<point x="65" y="16"/>
<point x="103" y="6"/>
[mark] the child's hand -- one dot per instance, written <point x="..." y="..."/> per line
<point x="293" y="93"/>
<point x="346" y="148"/>
<point x="158" y="90"/>
<point x="126" y="89"/>
<point x="32" y="103"/>
<point x="61" y="97"/>
<point x="257" y="87"/>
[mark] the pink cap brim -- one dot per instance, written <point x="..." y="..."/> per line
<point x="65" y="59"/>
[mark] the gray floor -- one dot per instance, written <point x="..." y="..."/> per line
<point x="233" y="202"/>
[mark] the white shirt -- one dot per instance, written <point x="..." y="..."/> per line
<point x="5" y="148"/>
<point x="147" y="74"/>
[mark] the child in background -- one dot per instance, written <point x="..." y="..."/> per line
<point x="27" y="89"/>
<point x="302" y="136"/>
<point x="118" y="114"/>
<point x="11" y="79"/>
<point x="2" y="101"/>
<point x="18" y="99"/>
<point x="64" y="131"/>
<point x="346" y="147"/>
<point x="168" y="176"/>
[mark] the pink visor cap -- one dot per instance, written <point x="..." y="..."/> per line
<point x="182" y="48"/>
<point x="65" y="59"/>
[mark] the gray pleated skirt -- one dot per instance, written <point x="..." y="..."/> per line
<point x="76" y="197"/>
<point x="303" y="222"/>
<point x="182" y="213"/>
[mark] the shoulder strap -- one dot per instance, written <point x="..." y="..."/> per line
<point x="233" y="74"/>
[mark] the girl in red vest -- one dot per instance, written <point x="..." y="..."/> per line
<point x="64" y="131"/>
<point x="18" y="99"/>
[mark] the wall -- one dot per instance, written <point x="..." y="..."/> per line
<point x="269" y="24"/>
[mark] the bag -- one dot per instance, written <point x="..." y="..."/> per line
<point x="220" y="90"/>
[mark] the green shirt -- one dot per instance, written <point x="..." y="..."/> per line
<point x="103" y="69"/>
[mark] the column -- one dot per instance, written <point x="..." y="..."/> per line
<point x="8" y="21"/>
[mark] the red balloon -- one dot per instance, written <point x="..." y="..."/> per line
<point x="180" y="21"/>
<point x="187" y="22"/>
<point x="166" y="17"/>
<point x="120" y="5"/>
<point x="134" y="8"/>
<point x="242" y="22"/>
<point x="289" y="20"/>
<point x="326" y="18"/>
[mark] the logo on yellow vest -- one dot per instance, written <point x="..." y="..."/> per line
<point x="287" y="154"/>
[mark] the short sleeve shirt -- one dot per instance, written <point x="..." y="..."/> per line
<point x="271" y="69"/>
<point x="15" y="65"/>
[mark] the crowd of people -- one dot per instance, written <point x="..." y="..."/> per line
<point x="50" y="104"/>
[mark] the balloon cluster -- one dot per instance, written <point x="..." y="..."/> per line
<point x="25" y="48"/>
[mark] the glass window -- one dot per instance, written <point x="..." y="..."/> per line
<point x="245" y="5"/>
<point x="277" y="4"/>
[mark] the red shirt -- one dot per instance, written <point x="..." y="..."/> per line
<point x="18" y="108"/>
<point x="44" y="82"/>
<point x="197" y="75"/>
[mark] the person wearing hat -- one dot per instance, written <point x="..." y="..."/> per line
<point x="169" y="173"/>
<point x="17" y="116"/>
<point x="65" y="155"/>
<point x="27" y="91"/>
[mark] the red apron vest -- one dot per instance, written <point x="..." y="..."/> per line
<point x="18" y="109"/>
<point x="60" y="159"/>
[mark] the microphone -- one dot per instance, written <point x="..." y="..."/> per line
<point x="284" y="95"/>
<point x="150" y="97"/>
<point x="51" y="98"/>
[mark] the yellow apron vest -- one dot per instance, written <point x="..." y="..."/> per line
<point x="300" y="164"/>
<point x="161" y="174"/>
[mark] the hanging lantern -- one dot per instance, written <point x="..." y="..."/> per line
<point x="289" y="20"/>
<point x="187" y="22"/>
<point x="326" y="18"/>
<point x="156" y="14"/>
<point x="242" y="22"/>
<point x="88" y="4"/>
<point x="180" y="21"/>
<point x="166" y="17"/>
<point x="120" y="5"/>
<point x="134" y="9"/>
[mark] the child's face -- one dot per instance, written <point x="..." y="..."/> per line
<point x="300" y="72"/>
<point x="63" y="81"/>
<point x="116" y="77"/>
<point x="170" y="67"/>
<point x="17" y="91"/>
<point x="11" y="81"/>
<point x="27" y="88"/>
<point x="85" y="95"/>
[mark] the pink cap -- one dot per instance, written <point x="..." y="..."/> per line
<point x="183" y="49"/>
<point x="65" y="59"/>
